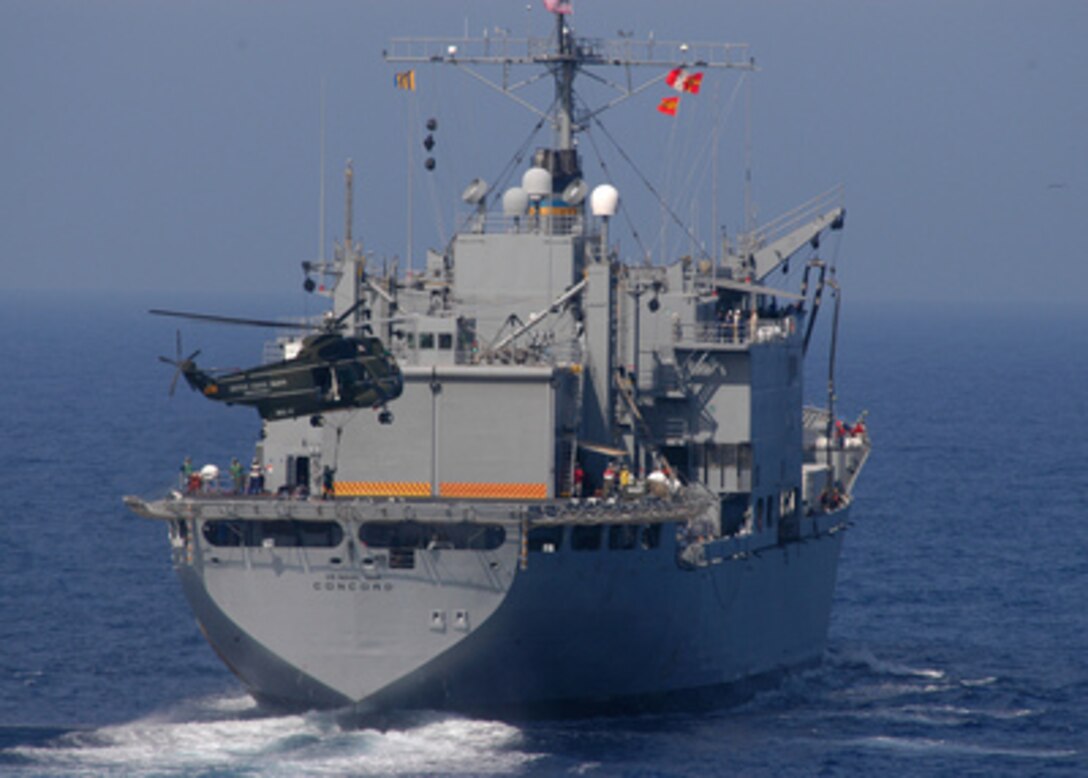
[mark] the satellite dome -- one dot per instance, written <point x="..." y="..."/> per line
<point x="515" y="201"/>
<point x="605" y="200"/>
<point x="537" y="182"/>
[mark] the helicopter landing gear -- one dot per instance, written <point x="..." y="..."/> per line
<point x="317" y="420"/>
<point x="385" y="416"/>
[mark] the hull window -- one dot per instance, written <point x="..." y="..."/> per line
<point x="651" y="536"/>
<point x="432" y="535"/>
<point x="279" y="533"/>
<point x="622" y="537"/>
<point x="546" y="539"/>
<point x="585" y="538"/>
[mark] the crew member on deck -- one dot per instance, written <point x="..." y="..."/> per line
<point x="609" y="480"/>
<point x="328" y="483"/>
<point x="186" y="470"/>
<point x="256" y="478"/>
<point x="237" y="475"/>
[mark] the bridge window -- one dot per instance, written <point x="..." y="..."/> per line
<point x="445" y="340"/>
<point x="426" y="340"/>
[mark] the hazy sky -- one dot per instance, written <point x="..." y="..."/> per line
<point x="166" y="146"/>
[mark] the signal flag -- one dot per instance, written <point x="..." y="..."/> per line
<point x="405" y="80"/>
<point x="683" y="81"/>
<point x="559" y="6"/>
<point x="668" y="105"/>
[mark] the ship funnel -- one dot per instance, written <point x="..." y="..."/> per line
<point x="515" y="201"/>
<point x="537" y="183"/>
<point x="605" y="200"/>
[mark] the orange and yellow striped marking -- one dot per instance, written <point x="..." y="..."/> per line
<point x="493" y="491"/>
<point x="382" y="489"/>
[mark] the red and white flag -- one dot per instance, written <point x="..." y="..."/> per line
<point x="559" y="6"/>
<point x="683" y="81"/>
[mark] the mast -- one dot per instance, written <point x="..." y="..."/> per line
<point x="349" y="174"/>
<point x="564" y="86"/>
<point x="563" y="57"/>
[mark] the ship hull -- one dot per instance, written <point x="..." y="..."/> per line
<point x="570" y="632"/>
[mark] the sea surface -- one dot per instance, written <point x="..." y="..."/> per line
<point x="958" y="643"/>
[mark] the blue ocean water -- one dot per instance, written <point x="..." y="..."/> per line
<point x="958" y="643"/>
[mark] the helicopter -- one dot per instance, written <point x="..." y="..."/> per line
<point x="331" y="371"/>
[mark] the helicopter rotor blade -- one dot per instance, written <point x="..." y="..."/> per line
<point x="287" y="325"/>
<point x="338" y="323"/>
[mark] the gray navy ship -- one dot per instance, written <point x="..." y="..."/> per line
<point x="601" y="490"/>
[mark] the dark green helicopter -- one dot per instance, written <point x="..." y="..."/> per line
<point x="331" y="371"/>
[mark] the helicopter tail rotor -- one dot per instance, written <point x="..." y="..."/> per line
<point x="181" y="366"/>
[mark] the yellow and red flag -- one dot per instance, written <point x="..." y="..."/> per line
<point x="668" y="105"/>
<point x="405" y="80"/>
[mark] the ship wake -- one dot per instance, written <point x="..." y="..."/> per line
<point x="231" y="735"/>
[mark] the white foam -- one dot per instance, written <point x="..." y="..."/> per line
<point x="989" y="679"/>
<point x="240" y="739"/>
<point x="946" y="715"/>
<point x="867" y="658"/>
<point x="947" y="747"/>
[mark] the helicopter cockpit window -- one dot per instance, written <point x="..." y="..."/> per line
<point x="340" y="349"/>
<point x="426" y="340"/>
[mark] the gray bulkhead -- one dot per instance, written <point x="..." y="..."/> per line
<point x="499" y="274"/>
<point x="719" y="382"/>
<point x="487" y="424"/>
<point x="457" y="422"/>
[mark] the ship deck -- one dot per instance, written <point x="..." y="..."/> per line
<point x="640" y="510"/>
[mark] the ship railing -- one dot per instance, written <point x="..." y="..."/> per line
<point x="529" y="224"/>
<point x="742" y="332"/>
<point x="791" y="220"/>
<point x="633" y="509"/>
<point x="222" y="485"/>
<point x="815" y="419"/>
<point x="499" y="47"/>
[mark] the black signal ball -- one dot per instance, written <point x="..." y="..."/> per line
<point x="432" y="124"/>
<point x="309" y="285"/>
<point x="428" y="142"/>
<point x="429" y="164"/>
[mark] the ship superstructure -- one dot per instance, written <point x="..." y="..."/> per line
<point x="601" y="489"/>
